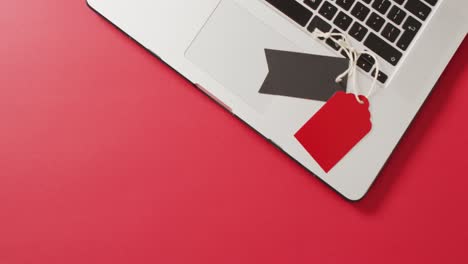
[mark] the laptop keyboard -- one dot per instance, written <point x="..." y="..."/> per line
<point x="385" y="27"/>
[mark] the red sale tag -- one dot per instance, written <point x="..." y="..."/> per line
<point x="335" y="129"/>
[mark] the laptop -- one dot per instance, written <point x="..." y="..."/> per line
<point x="222" y="47"/>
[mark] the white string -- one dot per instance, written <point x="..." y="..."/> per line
<point x="353" y="56"/>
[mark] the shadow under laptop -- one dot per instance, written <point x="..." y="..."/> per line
<point x="417" y="133"/>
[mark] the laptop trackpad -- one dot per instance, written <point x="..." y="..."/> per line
<point x="231" y="48"/>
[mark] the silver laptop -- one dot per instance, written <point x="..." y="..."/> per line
<point x="219" y="45"/>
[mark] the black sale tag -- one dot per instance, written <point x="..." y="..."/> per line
<point x="302" y="75"/>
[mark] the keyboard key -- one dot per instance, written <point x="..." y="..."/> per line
<point x="375" y="22"/>
<point x="383" y="49"/>
<point x="400" y="2"/>
<point x="431" y="2"/>
<point x="418" y="8"/>
<point x="411" y="28"/>
<point x="314" y="4"/>
<point x="411" y="24"/>
<point x="358" y="31"/>
<point x="293" y="10"/>
<point x="345" y="4"/>
<point x="328" y="10"/>
<point x="364" y="63"/>
<point x="332" y="43"/>
<point x="344" y="54"/>
<point x="381" y="5"/>
<point x="320" y="24"/>
<point x="360" y="11"/>
<point x="382" y="77"/>
<point x="396" y="15"/>
<point x="367" y="1"/>
<point x="343" y="21"/>
<point x="390" y="32"/>
<point x="368" y="58"/>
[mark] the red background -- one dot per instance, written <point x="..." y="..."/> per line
<point x="108" y="156"/>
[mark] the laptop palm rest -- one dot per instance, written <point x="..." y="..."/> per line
<point x="231" y="49"/>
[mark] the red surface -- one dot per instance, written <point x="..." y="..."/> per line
<point x="108" y="156"/>
<point x="322" y="136"/>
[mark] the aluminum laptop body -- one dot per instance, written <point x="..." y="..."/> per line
<point x="219" y="45"/>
